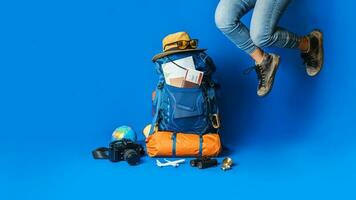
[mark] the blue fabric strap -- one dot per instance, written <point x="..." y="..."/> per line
<point x="200" y="144"/>
<point x="158" y="95"/>
<point x="155" y="117"/>
<point x="174" y="136"/>
<point x="212" y="109"/>
<point x="211" y="96"/>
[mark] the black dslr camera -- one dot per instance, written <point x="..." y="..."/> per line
<point x="125" y="150"/>
<point x="121" y="150"/>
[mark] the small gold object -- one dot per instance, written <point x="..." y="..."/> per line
<point x="226" y="164"/>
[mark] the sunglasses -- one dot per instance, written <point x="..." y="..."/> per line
<point x="183" y="44"/>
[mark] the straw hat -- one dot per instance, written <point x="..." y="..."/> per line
<point x="170" y="45"/>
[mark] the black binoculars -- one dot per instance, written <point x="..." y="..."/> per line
<point x="203" y="163"/>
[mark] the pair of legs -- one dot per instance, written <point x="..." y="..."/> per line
<point x="264" y="32"/>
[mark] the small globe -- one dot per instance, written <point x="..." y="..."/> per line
<point x="124" y="132"/>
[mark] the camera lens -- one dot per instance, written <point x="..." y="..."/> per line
<point x="131" y="157"/>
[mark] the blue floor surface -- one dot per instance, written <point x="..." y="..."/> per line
<point x="73" y="71"/>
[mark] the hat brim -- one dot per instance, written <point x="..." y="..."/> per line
<point x="167" y="53"/>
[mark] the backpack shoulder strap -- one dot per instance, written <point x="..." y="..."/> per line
<point x="159" y="88"/>
<point x="214" y="114"/>
<point x="213" y="110"/>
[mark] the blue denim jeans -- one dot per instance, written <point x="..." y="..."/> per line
<point x="263" y="29"/>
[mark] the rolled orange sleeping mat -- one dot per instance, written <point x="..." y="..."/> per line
<point x="169" y="144"/>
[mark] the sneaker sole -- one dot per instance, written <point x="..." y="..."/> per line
<point x="278" y="59"/>
<point x="318" y="34"/>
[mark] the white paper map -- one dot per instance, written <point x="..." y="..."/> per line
<point x="185" y="71"/>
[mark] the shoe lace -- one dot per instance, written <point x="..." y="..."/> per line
<point x="260" y="71"/>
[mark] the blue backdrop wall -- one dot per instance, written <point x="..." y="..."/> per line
<point x="72" y="71"/>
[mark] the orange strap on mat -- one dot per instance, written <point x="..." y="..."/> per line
<point x="168" y="144"/>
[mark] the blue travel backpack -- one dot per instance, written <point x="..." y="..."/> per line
<point x="186" y="110"/>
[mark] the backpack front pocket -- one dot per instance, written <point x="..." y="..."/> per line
<point x="184" y="110"/>
<point x="186" y="102"/>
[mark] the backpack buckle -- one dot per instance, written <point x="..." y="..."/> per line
<point x="160" y="85"/>
<point x="215" y="120"/>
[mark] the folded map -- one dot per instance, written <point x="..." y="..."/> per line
<point x="182" y="73"/>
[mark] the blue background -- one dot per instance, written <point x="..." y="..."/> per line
<point x="72" y="71"/>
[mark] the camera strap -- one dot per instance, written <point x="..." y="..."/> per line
<point x="101" y="153"/>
